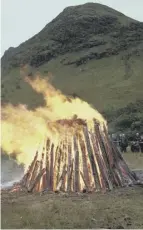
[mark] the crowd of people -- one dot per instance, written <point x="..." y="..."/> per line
<point x="123" y="142"/>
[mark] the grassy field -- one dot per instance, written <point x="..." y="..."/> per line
<point x="134" y="160"/>
<point x="121" y="208"/>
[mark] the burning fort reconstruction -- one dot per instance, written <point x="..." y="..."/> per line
<point x="75" y="153"/>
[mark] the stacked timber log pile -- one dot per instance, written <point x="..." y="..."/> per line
<point x="85" y="160"/>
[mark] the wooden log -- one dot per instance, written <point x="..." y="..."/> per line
<point x="113" y="175"/>
<point x="104" y="144"/>
<point x="66" y="162"/>
<point x="56" y="156"/>
<point x="108" y="147"/>
<point x="107" y="166"/>
<point x="34" y="174"/>
<point x="44" y="181"/>
<point x="107" y="170"/>
<point x="112" y="159"/>
<point x="48" y="162"/>
<point x="59" y="164"/>
<point x="24" y="179"/>
<point x="103" y="160"/>
<point x="51" y="166"/>
<point x="107" y="173"/>
<point x="76" y="169"/>
<point x="36" y="180"/>
<point x="71" y="176"/>
<point x="118" y="178"/>
<point x="118" y="171"/>
<point x="91" y="157"/>
<point x="61" y="178"/>
<point x="119" y="158"/>
<point x="85" y="163"/>
<point x="41" y="167"/>
<point x="29" y="173"/>
<point x="56" y="167"/>
<point x="85" y="182"/>
<point x="34" y="160"/>
<point x="65" y="149"/>
<point x="69" y="166"/>
<point x="127" y="178"/>
<point x="98" y="161"/>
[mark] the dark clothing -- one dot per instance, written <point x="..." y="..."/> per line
<point x="135" y="147"/>
<point x="123" y="143"/>
<point x="141" y="147"/>
<point x="141" y="144"/>
<point x="137" y="138"/>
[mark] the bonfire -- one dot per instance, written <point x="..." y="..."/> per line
<point x="83" y="160"/>
<point x="75" y="153"/>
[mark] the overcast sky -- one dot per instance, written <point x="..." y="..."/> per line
<point x="21" y="19"/>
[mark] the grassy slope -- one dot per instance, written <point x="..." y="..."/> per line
<point x="104" y="83"/>
<point x="118" y="209"/>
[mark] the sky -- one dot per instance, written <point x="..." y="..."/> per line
<point x="22" y="19"/>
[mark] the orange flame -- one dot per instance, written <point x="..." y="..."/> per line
<point x="23" y="130"/>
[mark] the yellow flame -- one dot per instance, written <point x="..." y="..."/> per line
<point x="59" y="106"/>
<point x="23" y="130"/>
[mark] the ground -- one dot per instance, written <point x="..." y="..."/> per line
<point x="121" y="208"/>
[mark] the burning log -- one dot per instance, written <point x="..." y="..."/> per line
<point x="40" y="185"/>
<point x="56" y="166"/>
<point x="33" y="175"/>
<point x="51" y="166"/>
<point x="76" y="169"/>
<point x="69" y="151"/>
<point x="36" y="180"/>
<point x="71" y="176"/>
<point x="59" y="164"/>
<point x="85" y="173"/>
<point x="65" y="162"/>
<point x="62" y="178"/>
<point x="29" y="173"/>
<point x="98" y="162"/>
<point x="47" y="163"/>
<point x="103" y="157"/>
<point x="91" y="157"/>
<point x="86" y="185"/>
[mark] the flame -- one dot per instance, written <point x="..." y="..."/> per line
<point x="58" y="104"/>
<point x="23" y="130"/>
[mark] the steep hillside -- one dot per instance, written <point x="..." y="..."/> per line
<point x="91" y="50"/>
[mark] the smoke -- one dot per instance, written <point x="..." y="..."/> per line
<point x="11" y="172"/>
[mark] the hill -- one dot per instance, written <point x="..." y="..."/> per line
<point x="91" y="50"/>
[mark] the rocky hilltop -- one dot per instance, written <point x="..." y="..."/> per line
<point x="96" y="30"/>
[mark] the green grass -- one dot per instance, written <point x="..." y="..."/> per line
<point x="119" y="209"/>
<point x="134" y="160"/>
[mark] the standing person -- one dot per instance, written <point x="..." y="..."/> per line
<point x="123" y="143"/>
<point x="114" y="139"/>
<point x="137" y="140"/>
<point x="141" y="143"/>
<point x="137" y="137"/>
<point x="135" y="147"/>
